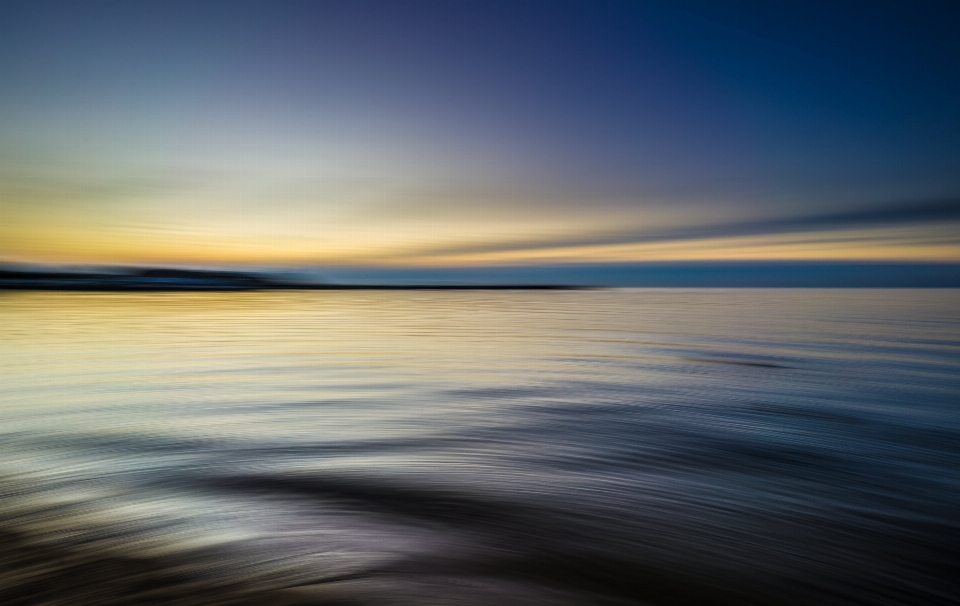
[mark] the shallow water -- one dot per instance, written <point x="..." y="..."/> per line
<point x="465" y="447"/>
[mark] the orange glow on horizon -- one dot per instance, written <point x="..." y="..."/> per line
<point x="59" y="243"/>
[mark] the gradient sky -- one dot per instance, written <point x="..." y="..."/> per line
<point x="478" y="133"/>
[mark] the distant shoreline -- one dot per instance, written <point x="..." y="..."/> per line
<point x="114" y="288"/>
<point x="176" y="280"/>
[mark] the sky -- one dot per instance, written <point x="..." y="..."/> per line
<point x="474" y="134"/>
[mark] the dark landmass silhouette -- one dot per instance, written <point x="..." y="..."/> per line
<point x="165" y="279"/>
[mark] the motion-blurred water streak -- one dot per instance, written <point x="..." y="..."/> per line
<point x="569" y="447"/>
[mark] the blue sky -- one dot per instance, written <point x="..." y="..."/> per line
<point x="469" y="134"/>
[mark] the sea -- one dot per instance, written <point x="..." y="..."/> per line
<point x="471" y="447"/>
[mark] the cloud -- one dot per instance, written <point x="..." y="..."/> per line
<point x="877" y="216"/>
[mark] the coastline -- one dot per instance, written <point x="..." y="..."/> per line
<point x="175" y="280"/>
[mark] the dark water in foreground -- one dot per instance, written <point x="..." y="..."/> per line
<point x="582" y="447"/>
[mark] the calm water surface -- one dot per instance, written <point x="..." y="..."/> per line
<point x="567" y="447"/>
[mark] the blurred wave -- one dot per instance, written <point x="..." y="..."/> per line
<point x="660" y="446"/>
